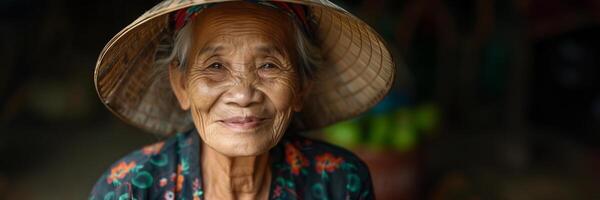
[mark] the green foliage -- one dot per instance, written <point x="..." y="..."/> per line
<point x="398" y="129"/>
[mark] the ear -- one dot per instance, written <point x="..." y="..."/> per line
<point x="177" y="79"/>
<point x="302" y="94"/>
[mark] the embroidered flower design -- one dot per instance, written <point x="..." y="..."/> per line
<point x="197" y="189"/>
<point x="295" y="159"/>
<point x="120" y="171"/>
<point x="173" y="176"/>
<point x="327" y="162"/>
<point x="277" y="192"/>
<point x="153" y="149"/>
<point x="179" y="179"/>
<point x="169" y="195"/>
<point x="196" y="184"/>
<point x="179" y="183"/>
<point x="163" y="182"/>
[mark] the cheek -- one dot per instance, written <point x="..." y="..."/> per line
<point x="204" y="93"/>
<point x="280" y="91"/>
<point x="281" y="98"/>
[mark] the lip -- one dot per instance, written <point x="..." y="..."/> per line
<point x="242" y="123"/>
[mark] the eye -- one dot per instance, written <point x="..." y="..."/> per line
<point x="215" y="66"/>
<point x="268" y="66"/>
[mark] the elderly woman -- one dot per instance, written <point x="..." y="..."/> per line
<point x="231" y="83"/>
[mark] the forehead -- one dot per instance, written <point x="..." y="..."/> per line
<point x="235" y="23"/>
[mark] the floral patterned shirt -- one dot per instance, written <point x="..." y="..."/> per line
<point x="301" y="169"/>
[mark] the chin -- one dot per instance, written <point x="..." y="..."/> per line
<point x="234" y="144"/>
<point x="242" y="148"/>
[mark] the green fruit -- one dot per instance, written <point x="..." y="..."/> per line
<point x="426" y="117"/>
<point x="379" y="130"/>
<point x="404" y="136"/>
<point x="345" y="134"/>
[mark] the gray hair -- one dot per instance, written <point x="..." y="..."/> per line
<point x="308" y="59"/>
<point x="175" y="49"/>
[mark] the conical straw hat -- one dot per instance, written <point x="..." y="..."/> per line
<point x="357" y="71"/>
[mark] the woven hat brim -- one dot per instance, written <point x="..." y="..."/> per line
<point x="357" y="71"/>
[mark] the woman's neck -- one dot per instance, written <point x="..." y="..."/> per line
<point x="235" y="177"/>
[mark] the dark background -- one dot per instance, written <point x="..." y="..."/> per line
<point x="494" y="99"/>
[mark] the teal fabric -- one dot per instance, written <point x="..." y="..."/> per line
<point x="301" y="169"/>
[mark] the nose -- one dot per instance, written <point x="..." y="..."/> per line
<point x="243" y="95"/>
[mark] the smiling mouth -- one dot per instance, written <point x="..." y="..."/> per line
<point x="243" y="123"/>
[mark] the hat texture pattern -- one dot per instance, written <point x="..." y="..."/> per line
<point x="357" y="71"/>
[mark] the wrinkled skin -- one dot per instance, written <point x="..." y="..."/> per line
<point x="241" y="88"/>
<point x="239" y="66"/>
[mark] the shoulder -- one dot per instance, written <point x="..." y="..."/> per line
<point x="325" y="170"/>
<point x="324" y="156"/>
<point x="139" y="170"/>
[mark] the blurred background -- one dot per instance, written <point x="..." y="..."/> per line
<point x="494" y="99"/>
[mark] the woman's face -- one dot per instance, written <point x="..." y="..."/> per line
<point x="240" y="83"/>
